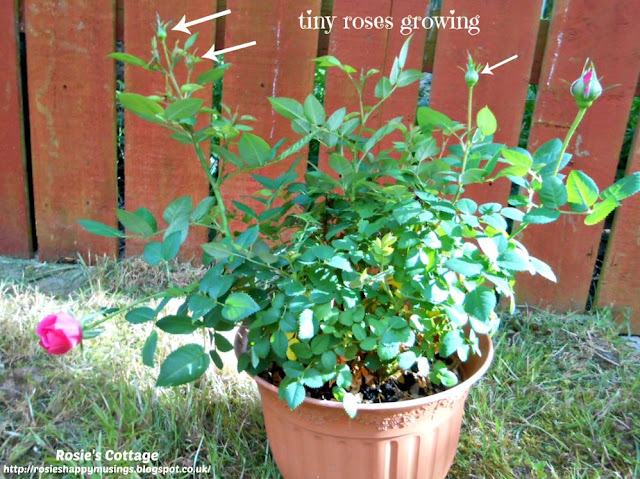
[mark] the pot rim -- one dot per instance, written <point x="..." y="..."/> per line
<point x="407" y="404"/>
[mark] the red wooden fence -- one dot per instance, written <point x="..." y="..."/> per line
<point x="69" y="87"/>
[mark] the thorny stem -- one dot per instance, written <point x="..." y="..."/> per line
<point x="567" y="139"/>
<point x="215" y="186"/>
<point x="468" y="145"/>
<point x="121" y="310"/>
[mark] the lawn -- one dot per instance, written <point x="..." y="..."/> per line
<point x="562" y="398"/>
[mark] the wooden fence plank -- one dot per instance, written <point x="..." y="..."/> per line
<point x="15" y="230"/>
<point x="619" y="283"/>
<point x="72" y="116"/>
<point x="158" y="169"/>
<point x="505" y="92"/>
<point x="608" y="33"/>
<point x="280" y="64"/>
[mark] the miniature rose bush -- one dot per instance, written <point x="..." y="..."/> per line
<point x="352" y="278"/>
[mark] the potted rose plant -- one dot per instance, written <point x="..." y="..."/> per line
<point x="366" y="294"/>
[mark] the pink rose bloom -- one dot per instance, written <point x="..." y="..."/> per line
<point x="59" y="333"/>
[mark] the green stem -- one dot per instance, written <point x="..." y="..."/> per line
<point x="567" y="139"/>
<point x="215" y="186"/>
<point x="468" y="146"/>
<point x="121" y="310"/>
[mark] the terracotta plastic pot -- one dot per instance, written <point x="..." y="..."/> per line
<point x="415" y="439"/>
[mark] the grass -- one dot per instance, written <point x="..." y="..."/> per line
<point x="562" y="398"/>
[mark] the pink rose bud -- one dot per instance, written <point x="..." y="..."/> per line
<point x="59" y="333"/>
<point x="587" y="88"/>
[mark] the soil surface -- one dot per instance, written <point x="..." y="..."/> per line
<point x="402" y="386"/>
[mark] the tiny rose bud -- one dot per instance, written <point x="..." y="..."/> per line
<point x="587" y="88"/>
<point x="59" y="333"/>
<point x="471" y="75"/>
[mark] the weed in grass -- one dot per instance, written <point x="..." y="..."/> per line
<point x="561" y="400"/>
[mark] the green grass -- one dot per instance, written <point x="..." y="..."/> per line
<point x="562" y="398"/>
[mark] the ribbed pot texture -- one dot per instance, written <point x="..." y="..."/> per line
<point x="415" y="439"/>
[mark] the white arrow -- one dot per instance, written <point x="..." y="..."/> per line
<point x="212" y="54"/>
<point x="182" y="24"/>
<point x="487" y="69"/>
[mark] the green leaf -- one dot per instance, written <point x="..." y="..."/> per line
<point x="254" y="150"/>
<point x="183" y="109"/>
<point x="228" y="156"/>
<point x="128" y="58"/>
<point x="200" y="212"/>
<point x="190" y="41"/>
<point x="280" y="343"/>
<point x="248" y="237"/>
<point x="171" y="246"/>
<point x="543" y="269"/>
<point x="153" y="253"/>
<point x="406" y="360"/>
<point x="451" y="342"/>
<point x="389" y="345"/>
<point x="511" y="260"/>
<point x="340" y="164"/>
<point x="149" y="349"/>
<point x="601" y="211"/>
<point x="141" y="106"/>
<point x="323" y="252"/>
<point x="623" y="188"/>
<point x="582" y="190"/>
<point x="428" y="117"/>
<point x="486" y="121"/>
<point x="287" y="107"/>
<point x="294" y="393"/>
<point x="329" y="360"/>
<point x="100" y="229"/>
<point x="215" y="357"/>
<point x="239" y="306"/>
<point x="480" y="303"/>
<point x="222" y="343"/>
<point x="185" y="364"/>
<point x="553" y="193"/>
<point x="335" y="121"/>
<point x="201" y="305"/>
<point x="175" y="324"/>
<point x="383" y="88"/>
<point x="140" y="315"/>
<point x="306" y="327"/>
<point x="517" y="157"/>
<point x="340" y="263"/>
<point x="180" y="207"/>
<point x="464" y="267"/>
<point x="213" y="75"/>
<point x="350" y="404"/>
<point x="408" y="77"/>
<point x="344" y="377"/>
<point x="292" y="369"/>
<point x="313" y="378"/>
<point x="313" y="110"/>
<point x="541" y="216"/>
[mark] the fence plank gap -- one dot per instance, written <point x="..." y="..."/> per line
<point x="15" y="228"/>
<point x="72" y="120"/>
<point x="570" y="247"/>
<point x="158" y="169"/>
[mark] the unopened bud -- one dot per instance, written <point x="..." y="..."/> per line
<point x="471" y="75"/>
<point x="587" y="88"/>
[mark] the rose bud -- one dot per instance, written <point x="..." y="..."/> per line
<point x="59" y="333"/>
<point x="587" y="88"/>
<point x="471" y="74"/>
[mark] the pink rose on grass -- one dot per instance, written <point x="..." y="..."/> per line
<point x="59" y="333"/>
